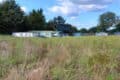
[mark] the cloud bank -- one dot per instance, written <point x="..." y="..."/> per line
<point x="74" y="7"/>
<point x="1" y="1"/>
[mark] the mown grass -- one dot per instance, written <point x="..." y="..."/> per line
<point x="68" y="58"/>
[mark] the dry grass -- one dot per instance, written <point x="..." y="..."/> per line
<point x="84" y="58"/>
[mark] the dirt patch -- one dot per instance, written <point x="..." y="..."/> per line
<point x="4" y="48"/>
<point x="40" y="73"/>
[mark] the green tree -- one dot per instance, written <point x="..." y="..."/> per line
<point x="118" y="27"/>
<point x="59" y="20"/>
<point x="36" y="20"/>
<point x="58" y="23"/>
<point x="11" y="17"/>
<point x="83" y="30"/>
<point x="106" y="20"/>
<point x="51" y="25"/>
<point x="72" y="28"/>
<point x="93" y="30"/>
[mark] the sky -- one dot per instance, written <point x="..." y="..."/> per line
<point x="80" y="13"/>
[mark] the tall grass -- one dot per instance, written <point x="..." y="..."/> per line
<point x="69" y="58"/>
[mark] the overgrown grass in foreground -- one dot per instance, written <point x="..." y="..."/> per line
<point x="83" y="58"/>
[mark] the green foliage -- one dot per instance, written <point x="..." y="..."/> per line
<point x="118" y="27"/>
<point x="106" y="20"/>
<point x="59" y="20"/>
<point x="110" y="77"/>
<point x="72" y="28"/>
<point x="11" y="17"/>
<point x="57" y="73"/>
<point x="51" y="25"/>
<point x="83" y="30"/>
<point x="88" y="58"/>
<point x="100" y="59"/>
<point x="93" y="30"/>
<point x="36" y="20"/>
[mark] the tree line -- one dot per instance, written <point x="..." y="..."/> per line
<point x="108" y="22"/>
<point x="13" y="19"/>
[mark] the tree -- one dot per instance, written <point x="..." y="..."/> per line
<point x="59" y="20"/>
<point x="11" y="17"/>
<point x="118" y="27"/>
<point x="93" y="30"/>
<point x="72" y="28"/>
<point x="83" y="30"/>
<point x="106" y="20"/>
<point x="36" y="20"/>
<point x="58" y="23"/>
<point x="51" y="25"/>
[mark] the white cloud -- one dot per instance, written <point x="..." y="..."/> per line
<point x="66" y="8"/>
<point x="2" y="1"/>
<point x="73" y="17"/>
<point x="91" y="1"/>
<point x="23" y="8"/>
<point x="92" y="7"/>
<point x="74" y="7"/>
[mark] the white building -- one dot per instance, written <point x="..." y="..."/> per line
<point x="46" y="33"/>
<point x="77" y="34"/>
<point x="23" y="34"/>
<point x="37" y="34"/>
<point x="101" y="34"/>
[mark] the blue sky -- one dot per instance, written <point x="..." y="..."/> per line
<point x="81" y="13"/>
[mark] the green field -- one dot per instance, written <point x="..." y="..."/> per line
<point x="78" y="58"/>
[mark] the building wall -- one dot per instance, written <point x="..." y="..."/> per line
<point x="37" y="34"/>
<point x="101" y="34"/>
<point x="23" y="34"/>
<point x="76" y="34"/>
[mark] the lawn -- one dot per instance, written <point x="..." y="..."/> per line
<point x="67" y="58"/>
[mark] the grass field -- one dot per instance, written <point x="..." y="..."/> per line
<point x="78" y="58"/>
